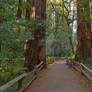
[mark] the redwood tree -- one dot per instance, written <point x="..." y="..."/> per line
<point x="35" y="49"/>
<point x="84" y="34"/>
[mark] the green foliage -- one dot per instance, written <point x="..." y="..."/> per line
<point x="50" y="59"/>
<point x="12" y="38"/>
<point x="9" y="70"/>
<point x="72" y="57"/>
<point x="58" y="29"/>
<point x="13" y="31"/>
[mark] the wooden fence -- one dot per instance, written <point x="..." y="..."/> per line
<point x="22" y="77"/>
<point x="83" y="69"/>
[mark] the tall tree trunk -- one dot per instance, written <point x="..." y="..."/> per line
<point x="84" y="35"/>
<point x="71" y="44"/>
<point x="19" y="11"/>
<point x="34" y="47"/>
<point x="1" y="21"/>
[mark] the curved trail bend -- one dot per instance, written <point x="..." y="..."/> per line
<point x="59" y="77"/>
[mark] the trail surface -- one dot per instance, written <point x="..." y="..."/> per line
<point x="59" y="77"/>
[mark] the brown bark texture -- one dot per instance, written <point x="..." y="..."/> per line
<point x="35" y="52"/>
<point x="84" y="34"/>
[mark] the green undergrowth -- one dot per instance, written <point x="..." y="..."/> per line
<point x="90" y="74"/>
<point x="10" y="69"/>
<point x="14" y="88"/>
<point x="52" y="59"/>
<point x="72" y="57"/>
<point x="89" y="65"/>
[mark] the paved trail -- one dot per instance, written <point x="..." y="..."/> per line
<point x="59" y="77"/>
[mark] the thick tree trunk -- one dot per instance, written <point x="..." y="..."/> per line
<point x="35" y="47"/>
<point x="84" y="35"/>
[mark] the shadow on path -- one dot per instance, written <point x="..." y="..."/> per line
<point x="59" y="77"/>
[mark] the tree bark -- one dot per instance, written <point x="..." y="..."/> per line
<point x="84" y="34"/>
<point x="19" y="11"/>
<point x="37" y="10"/>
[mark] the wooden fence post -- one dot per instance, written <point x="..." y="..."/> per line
<point x="81" y="69"/>
<point x="44" y="65"/>
<point x="20" y="84"/>
<point x="35" y="71"/>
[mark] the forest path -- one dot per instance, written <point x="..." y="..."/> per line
<point x="59" y="77"/>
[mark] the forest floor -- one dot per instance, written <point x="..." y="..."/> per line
<point x="59" y="77"/>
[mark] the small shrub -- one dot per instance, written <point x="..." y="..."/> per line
<point x="50" y="59"/>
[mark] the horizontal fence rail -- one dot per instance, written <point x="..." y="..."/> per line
<point x="22" y="77"/>
<point x="80" y="67"/>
